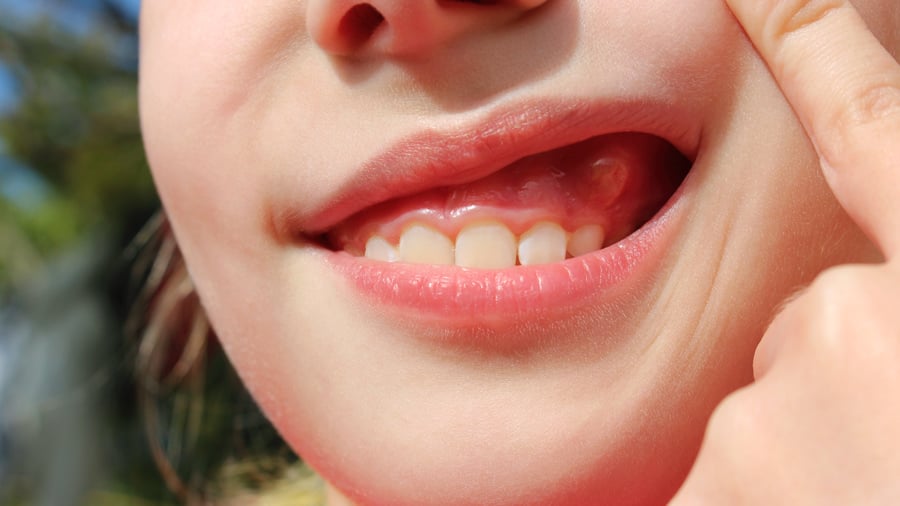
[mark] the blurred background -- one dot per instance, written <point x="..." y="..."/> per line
<point x="74" y="193"/>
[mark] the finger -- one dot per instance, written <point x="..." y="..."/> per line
<point x="770" y="345"/>
<point x="847" y="316"/>
<point x="845" y="88"/>
<point x="780" y="328"/>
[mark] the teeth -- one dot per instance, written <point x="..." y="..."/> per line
<point x="545" y="243"/>
<point x="585" y="240"/>
<point x="424" y="245"/>
<point x="488" y="245"/>
<point x="377" y="248"/>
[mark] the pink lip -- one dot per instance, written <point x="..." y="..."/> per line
<point x="499" y="299"/>
<point x="457" y="298"/>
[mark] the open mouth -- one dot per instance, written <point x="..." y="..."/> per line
<point x="541" y="209"/>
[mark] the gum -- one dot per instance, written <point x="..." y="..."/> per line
<point x="617" y="181"/>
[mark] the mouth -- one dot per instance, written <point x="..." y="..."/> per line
<point x="531" y="214"/>
<point x="541" y="209"/>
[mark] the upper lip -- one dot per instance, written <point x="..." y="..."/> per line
<point x="431" y="159"/>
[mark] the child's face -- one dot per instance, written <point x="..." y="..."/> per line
<point x="416" y="383"/>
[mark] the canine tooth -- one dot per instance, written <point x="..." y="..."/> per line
<point x="420" y="244"/>
<point x="487" y="245"/>
<point x="544" y="243"/>
<point x="585" y="240"/>
<point x="377" y="248"/>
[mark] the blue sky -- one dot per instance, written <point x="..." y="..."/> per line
<point x="7" y="90"/>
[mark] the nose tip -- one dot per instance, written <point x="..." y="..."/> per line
<point x="401" y="27"/>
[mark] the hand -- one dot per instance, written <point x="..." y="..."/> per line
<point x="821" y="423"/>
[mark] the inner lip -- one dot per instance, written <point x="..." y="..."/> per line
<point x="560" y="186"/>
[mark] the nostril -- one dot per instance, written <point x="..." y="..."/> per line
<point x="358" y="25"/>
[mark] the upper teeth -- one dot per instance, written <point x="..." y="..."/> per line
<point x="421" y="244"/>
<point x="544" y="243"/>
<point x="487" y="245"/>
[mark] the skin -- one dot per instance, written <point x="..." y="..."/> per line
<point x="819" y="424"/>
<point x="243" y="100"/>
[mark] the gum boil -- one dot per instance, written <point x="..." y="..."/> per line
<point x="617" y="181"/>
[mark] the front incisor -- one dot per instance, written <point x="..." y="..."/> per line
<point x="488" y="245"/>
<point x="421" y="244"/>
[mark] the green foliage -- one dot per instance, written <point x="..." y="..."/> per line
<point x="76" y="127"/>
<point x="74" y="130"/>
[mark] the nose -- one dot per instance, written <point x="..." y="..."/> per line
<point x="402" y="27"/>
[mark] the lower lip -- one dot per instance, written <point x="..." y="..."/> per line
<point x="456" y="298"/>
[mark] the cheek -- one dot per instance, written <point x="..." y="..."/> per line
<point x="200" y="62"/>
